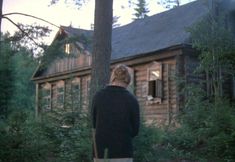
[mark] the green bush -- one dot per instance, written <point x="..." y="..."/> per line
<point x="206" y="132"/>
<point x="145" y="143"/>
<point x="75" y="143"/>
<point x="70" y="134"/>
<point x="22" y="139"/>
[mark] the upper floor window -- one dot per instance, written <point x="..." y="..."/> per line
<point x="155" y="89"/>
<point x="68" y="49"/>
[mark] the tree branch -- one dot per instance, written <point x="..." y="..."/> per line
<point x="23" y="14"/>
<point x="26" y="34"/>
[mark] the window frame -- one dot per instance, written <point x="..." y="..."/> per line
<point x="76" y="101"/>
<point x="56" y="94"/>
<point x="45" y="98"/>
<point x="153" y="92"/>
<point x="67" y="48"/>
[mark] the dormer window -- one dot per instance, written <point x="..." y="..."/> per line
<point x="67" y="48"/>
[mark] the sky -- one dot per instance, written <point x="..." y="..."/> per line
<point x="68" y="14"/>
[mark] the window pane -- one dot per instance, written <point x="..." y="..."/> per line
<point x="154" y="74"/>
<point x="67" y="48"/>
<point x="46" y="100"/>
<point x="151" y="88"/>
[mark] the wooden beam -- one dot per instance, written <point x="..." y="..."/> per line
<point x="37" y="100"/>
<point x="168" y="95"/>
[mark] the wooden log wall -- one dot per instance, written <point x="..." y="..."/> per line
<point x="162" y="113"/>
<point x="68" y="64"/>
<point x="153" y="111"/>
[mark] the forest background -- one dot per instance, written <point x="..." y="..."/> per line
<point x="207" y="131"/>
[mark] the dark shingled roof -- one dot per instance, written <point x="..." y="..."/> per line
<point x="157" y="32"/>
<point x="153" y="33"/>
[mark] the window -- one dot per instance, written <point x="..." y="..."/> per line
<point x="46" y="100"/>
<point x="46" y="97"/>
<point x="58" y="95"/>
<point x="155" y="88"/>
<point x="155" y="81"/>
<point x="76" y="92"/>
<point x="88" y="86"/>
<point x="72" y="96"/>
<point x="67" y="48"/>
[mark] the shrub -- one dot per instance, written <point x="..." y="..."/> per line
<point x="22" y="139"/>
<point x="145" y="143"/>
<point x="206" y="132"/>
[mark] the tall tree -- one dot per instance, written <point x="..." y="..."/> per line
<point x="7" y="52"/>
<point x="213" y="38"/>
<point x="23" y="89"/>
<point x="1" y="1"/>
<point x="102" y="45"/>
<point x="6" y="79"/>
<point x="141" y="10"/>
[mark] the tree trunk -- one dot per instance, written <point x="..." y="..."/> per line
<point x="101" y="54"/>
<point x="1" y="2"/>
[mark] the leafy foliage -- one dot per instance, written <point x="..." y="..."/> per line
<point x="23" y="88"/>
<point x="145" y="143"/>
<point x="22" y="138"/>
<point x="217" y="50"/>
<point x="69" y="129"/>
<point x="71" y="142"/>
<point x="169" y="3"/>
<point x="6" y="78"/>
<point x="17" y="90"/>
<point x="30" y="37"/>
<point x="76" y="142"/>
<point x="206" y="132"/>
<point x="78" y="3"/>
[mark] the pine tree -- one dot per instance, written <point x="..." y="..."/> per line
<point x="6" y="80"/>
<point x="141" y="10"/>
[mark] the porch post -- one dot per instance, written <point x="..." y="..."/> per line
<point x="37" y="100"/>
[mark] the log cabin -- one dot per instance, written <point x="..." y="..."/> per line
<point x="157" y="49"/>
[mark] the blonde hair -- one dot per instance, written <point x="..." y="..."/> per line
<point x="121" y="74"/>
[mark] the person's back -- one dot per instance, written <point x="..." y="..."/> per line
<point x="116" y="119"/>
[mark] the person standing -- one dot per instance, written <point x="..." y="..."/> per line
<point x="116" y="119"/>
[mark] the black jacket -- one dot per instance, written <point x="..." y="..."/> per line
<point x="116" y="120"/>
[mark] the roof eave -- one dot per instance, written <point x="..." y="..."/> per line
<point x="175" y="47"/>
